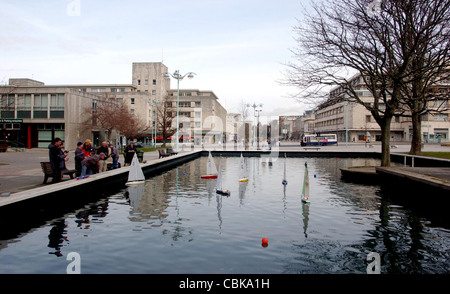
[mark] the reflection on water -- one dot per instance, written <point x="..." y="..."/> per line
<point x="176" y="220"/>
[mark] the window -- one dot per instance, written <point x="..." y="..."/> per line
<point x="132" y="100"/>
<point x="154" y="82"/>
<point x="197" y="124"/>
<point x="40" y="105"/>
<point x="197" y="114"/>
<point x="153" y="92"/>
<point x="198" y="104"/>
<point x="185" y="104"/>
<point x="57" y="106"/>
<point x="368" y="118"/>
<point x="146" y="82"/>
<point x="119" y="100"/>
<point x="98" y="90"/>
<point x="440" y="117"/>
<point x="139" y="82"/>
<point x="397" y="118"/>
<point x="132" y="111"/>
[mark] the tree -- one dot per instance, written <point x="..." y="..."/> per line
<point x="165" y="118"/>
<point x="344" y="41"/>
<point x="427" y="36"/>
<point x="108" y="115"/>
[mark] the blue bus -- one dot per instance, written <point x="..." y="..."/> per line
<point x="319" y="140"/>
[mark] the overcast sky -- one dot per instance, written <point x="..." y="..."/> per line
<point x="236" y="47"/>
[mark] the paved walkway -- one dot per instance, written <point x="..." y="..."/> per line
<point x="20" y="171"/>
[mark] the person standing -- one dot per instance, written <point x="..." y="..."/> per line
<point x="102" y="163"/>
<point x="114" y="156"/>
<point x="88" y="150"/>
<point x="55" y="159"/>
<point x="129" y="153"/>
<point x="79" y="156"/>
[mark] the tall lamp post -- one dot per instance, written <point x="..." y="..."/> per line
<point x="254" y="105"/>
<point x="176" y="75"/>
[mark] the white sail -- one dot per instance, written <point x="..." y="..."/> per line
<point x="135" y="174"/>
<point x="242" y="170"/>
<point x="305" y="191"/>
<point x="211" y="166"/>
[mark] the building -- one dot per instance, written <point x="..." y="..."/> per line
<point x="33" y="113"/>
<point x="352" y="122"/>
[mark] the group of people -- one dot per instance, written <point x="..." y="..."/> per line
<point x="88" y="160"/>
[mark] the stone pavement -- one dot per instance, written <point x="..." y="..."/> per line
<point x="20" y="171"/>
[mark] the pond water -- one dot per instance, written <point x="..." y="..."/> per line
<point x="176" y="223"/>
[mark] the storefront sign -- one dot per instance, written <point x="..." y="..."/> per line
<point x="11" y="120"/>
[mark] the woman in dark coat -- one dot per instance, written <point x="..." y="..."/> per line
<point x="129" y="153"/>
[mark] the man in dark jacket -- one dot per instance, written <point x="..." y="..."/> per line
<point x="79" y="156"/>
<point x="54" y="154"/>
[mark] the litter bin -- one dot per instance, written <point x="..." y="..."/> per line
<point x="140" y="155"/>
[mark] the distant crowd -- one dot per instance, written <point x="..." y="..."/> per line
<point x="88" y="160"/>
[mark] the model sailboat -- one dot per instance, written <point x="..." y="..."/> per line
<point x="135" y="175"/>
<point x="284" y="182"/>
<point x="211" y="170"/>
<point x="219" y="189"/>
<point x="242" y="171"/>
<point x="305" y="191"/>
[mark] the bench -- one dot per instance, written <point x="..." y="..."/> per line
<point x="48" y="172"/>
<point x="171" y="152"/>
<point x="162" y="153"/>
<point x="311" y="148"/>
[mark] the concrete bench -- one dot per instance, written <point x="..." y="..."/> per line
<point x="48" y="172"/>
<point x="162" y="153"/>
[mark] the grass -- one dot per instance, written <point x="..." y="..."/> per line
<point x="445" y="155"/>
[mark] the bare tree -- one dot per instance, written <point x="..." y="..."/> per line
<point x="427" y="36"/>
<point x="108" y="115"/>
<point x="345" y="41"/>
<point x="165" y="117"/>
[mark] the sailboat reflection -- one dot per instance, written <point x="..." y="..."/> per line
<point x="135" y="194"/>
<point x="305" y="213"/>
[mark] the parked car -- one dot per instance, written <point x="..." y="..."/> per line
<point x="139" y="145"/>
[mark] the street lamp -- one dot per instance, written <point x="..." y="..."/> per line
<point x="254" y="105"/>
<point x="176" y="75"/>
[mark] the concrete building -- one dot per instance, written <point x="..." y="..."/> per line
<point x="32" y="113"/>
<point x="353" y="122"/>
<point x="201" y="115"/>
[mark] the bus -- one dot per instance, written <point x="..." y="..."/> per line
<point x="319" y="140"/>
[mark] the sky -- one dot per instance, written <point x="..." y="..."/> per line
<point x="236" y="48"/>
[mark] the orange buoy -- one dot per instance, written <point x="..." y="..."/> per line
<point x="265" y="241"/>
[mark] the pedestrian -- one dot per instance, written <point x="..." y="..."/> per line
<point x="89" y="165"/>
<point x="102" y="163"/>
<point x="79" y="156"/>
<point x="55" y="159"/>
<point x="129" y="153"/>
<point x="63" y="154"/>
<point x="88" y="150"/>
<point x="114" y="156"/>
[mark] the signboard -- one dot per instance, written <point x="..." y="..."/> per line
<point x="11" y="120"/>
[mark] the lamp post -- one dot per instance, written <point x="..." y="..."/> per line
<point x="257" y="130"/>
<point x="176" y="75"/>
<point x="254" y="105"/>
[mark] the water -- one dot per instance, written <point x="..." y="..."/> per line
<point x="178" y="224"/>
